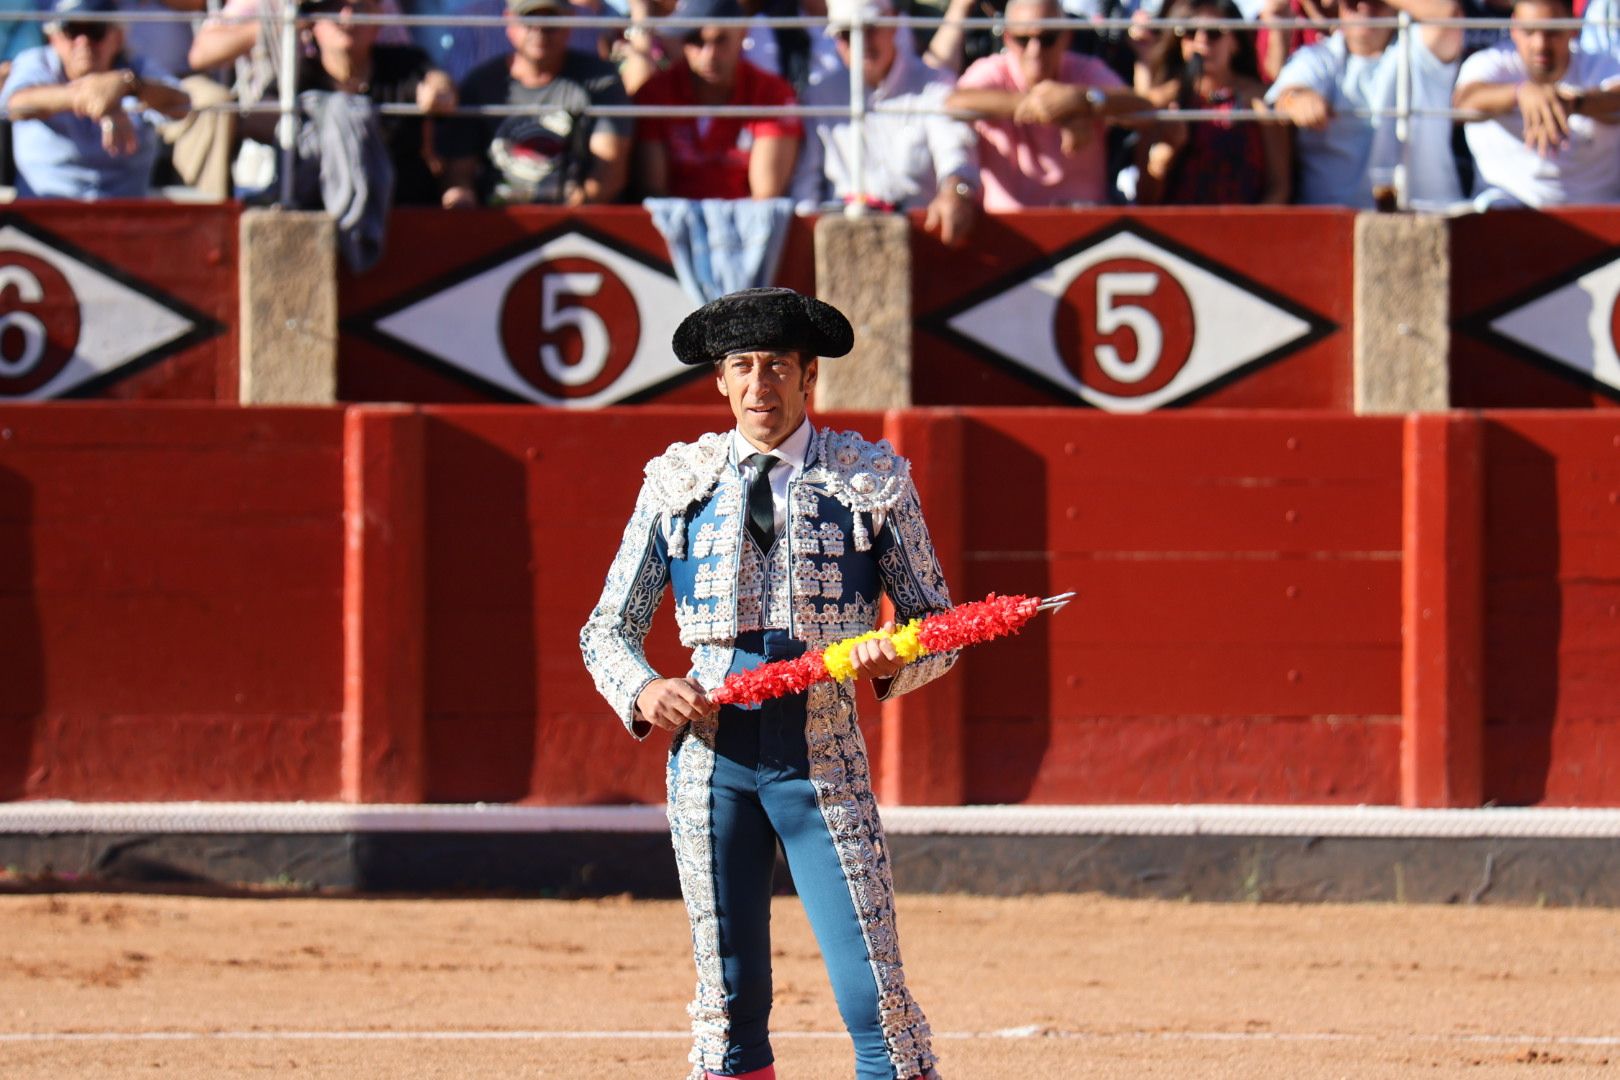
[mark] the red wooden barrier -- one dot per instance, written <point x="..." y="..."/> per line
<point x="382" y="605"/>
<point x="1552" y="604"/>
<point x="170" y="600"/>
<point x="1237" y="632"/>
<point x="1442" y="610"/>
<point x="228" y="604"/>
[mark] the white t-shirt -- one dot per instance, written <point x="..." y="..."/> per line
<point x="1585" y="170"/>
<point x="1338" y="166"/>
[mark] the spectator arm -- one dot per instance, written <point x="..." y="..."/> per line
<point x="1274" y="54"/>
<point x="652" y="169"/>
<point x="1492" y="99"/>
<point x="610" y="167"/>
<point x="218" y="45"/>
<point x="1278" y="142"/>
<point x="946" y="47"/>
<point x="1120" y="103"/>
<point x="1154" y="160"/>
<point x="986" y="104"/>
<point x="770" y="166"/>
<point x="1601" y="105"/>
<point x="171" y="101"/>
<point x="38" y="102"/>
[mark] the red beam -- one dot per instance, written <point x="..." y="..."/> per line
<point x="383" y="590"/>
<point x="1443" y="612"/>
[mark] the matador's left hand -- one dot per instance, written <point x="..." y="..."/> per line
<point x="876" y="658"/>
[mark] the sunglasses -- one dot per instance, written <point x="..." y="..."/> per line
<point x="94" y="32"/>
<point x="1047" y="38"/>
<point x="1211" y="33"/>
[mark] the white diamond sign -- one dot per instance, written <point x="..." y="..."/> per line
<point x="1128" y="324"/>
<point x="65" y="324"/>
<point x="571" y="322"/>
<point x="1573" y="325"/>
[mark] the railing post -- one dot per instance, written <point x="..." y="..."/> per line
<point x="287" y="125"/>
<point x="1403" y="112"/>
<point x="857" y="113"/>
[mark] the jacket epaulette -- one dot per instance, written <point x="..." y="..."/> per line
<point x="685" y="473"/>
<point x="865" y="476"/>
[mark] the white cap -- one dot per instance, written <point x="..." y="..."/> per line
<point x="845" y="12"/>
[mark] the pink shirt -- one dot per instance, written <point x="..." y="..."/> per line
<point x="1023" y="165"/>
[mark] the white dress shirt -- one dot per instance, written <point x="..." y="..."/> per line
<point x="791" y="452"/>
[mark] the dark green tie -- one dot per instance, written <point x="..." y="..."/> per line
<point x="761" y="508"/>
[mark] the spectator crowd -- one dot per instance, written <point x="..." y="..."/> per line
<point x="959" y="120"/>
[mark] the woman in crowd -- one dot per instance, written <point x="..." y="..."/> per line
<point x="1215" y="162"/>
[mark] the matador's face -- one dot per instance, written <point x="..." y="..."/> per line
<point x="769" y="393"/>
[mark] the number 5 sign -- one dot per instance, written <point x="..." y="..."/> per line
<point x="571" y="320"/>
<point x="1129" y="322"/>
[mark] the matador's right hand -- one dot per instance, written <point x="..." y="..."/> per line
<point x="671" y="704"/>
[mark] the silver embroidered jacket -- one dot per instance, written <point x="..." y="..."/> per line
<point x="854" y="530"/>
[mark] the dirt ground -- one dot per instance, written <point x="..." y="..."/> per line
<point x="95" y="986"/>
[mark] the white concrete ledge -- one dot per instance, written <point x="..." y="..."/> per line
<point x="1368" y="822"/>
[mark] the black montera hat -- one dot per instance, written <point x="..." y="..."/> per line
<point x="762" y="319"/>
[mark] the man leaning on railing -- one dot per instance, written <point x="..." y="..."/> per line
<point x="926" y="161"/>
<point x="1551" y="138"/>
<point x="1346" y="159"/>
<point x="1041" y="113"/>
<point x="84" y="114"/>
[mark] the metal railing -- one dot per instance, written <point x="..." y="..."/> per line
<point x="289" y="22"/>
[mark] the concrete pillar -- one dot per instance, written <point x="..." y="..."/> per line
<point x="287" y="280"/>
<point x="863" y="268"/>
<point x="1402" y="313"/>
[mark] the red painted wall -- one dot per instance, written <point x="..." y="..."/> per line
<point x="1237" y="632"/>
<point x="1552" y="606"/>
<point x="172" y="612"/>
<point x="170" y="602"/>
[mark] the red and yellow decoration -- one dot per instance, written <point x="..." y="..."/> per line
<point x="961" y="626"/>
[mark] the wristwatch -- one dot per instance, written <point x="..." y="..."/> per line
<point x="963" y="189"/>
<point x="133" y="85"/>
<point x="1095" y="98"/>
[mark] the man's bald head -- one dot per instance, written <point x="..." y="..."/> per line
<point x="1034" y="9"/>
<point x="1037" y="50"/>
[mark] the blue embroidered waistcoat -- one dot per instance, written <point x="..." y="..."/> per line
<point x="854" y="530"/>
